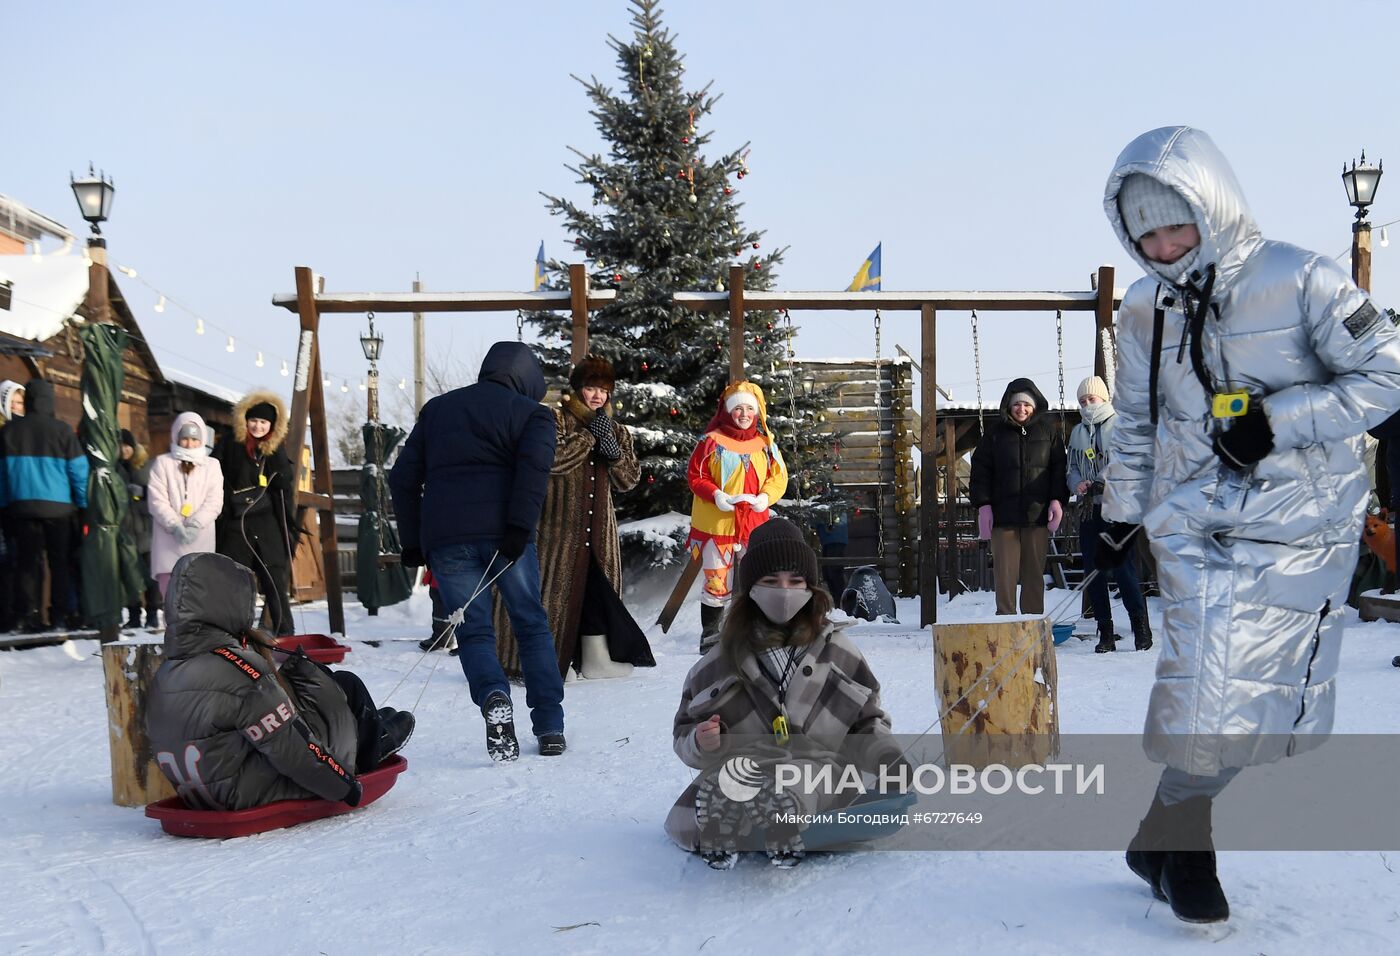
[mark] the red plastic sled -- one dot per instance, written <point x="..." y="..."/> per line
<point x="321" y="648"/>
<point x="178" y="820"/>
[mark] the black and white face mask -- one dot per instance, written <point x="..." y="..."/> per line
<point x="779" y="605"/>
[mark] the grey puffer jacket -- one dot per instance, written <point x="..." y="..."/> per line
<point x="1254" y="565"/>
<point x="224" y="731"/>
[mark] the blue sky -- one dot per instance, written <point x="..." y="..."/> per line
<point x="372" y="141"/>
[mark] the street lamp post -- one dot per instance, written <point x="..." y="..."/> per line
<point x="1361" y="181"/>
<point x="372" y="342"/>
<point x="94" y="193"/>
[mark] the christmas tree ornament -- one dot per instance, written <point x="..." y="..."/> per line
<point x="685" y="140"/>
<point x="617" y="276"/>
<point x="675" y="412"/>
<point x="645" y="366"/>
<point x="693" y="200"/>
<point x="755" y="245"/>
<point x="728" y="191"/>
<point x="651" y="479"/>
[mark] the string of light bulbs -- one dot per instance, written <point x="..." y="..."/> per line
<point x="261" y="355"/>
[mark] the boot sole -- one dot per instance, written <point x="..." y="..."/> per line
<point x="501" y="745"/>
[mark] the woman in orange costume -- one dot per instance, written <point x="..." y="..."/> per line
<point x="736" y="472"/>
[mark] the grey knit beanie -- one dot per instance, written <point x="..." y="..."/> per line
<point x="1146" y="204"/>
<point x="777" y="545"/>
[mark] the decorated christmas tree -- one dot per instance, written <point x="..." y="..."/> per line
<point x="659" y="218"/>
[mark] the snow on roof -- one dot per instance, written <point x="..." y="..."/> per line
<point x="46" y="294"/>
<point x="181" y="377"/>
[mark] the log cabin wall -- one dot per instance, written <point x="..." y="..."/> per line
<point x="870" y="417"/>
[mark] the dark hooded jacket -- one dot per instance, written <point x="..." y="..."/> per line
<point x="222" y="728"/>
<point x="1019" y="469"/>
<point x="43" y="471"/>
<point x="478" y="459"/>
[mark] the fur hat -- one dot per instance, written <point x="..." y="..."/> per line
<point x="595" y="371"/>
<point x="777" y="545"/>
<point x="1093" y="385"/>
<point x="128" y="439"/>
<point x="1146" y="204"/>
<point x="1026" y="397"/>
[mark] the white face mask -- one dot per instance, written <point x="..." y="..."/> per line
<point x="190" y="454"/>
<point x="779" y="605"/>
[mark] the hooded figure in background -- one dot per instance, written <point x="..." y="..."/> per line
<point x="258" y="526"/>
<point x="185" y="496"/>
<point x="11" y="400"/>
<point x="1017" y="484"/>
<point x="1247" y="371"/>
<point x="43" y="487"/>
<point x="468" y="488"/>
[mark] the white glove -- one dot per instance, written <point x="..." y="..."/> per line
<point x="760" y="502"/>
<point x="722" y="501"/>
<point x="184" y="533"/>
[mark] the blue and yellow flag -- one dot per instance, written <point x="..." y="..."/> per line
<point x="539" y="267"/>
<point x="868" y="276"/>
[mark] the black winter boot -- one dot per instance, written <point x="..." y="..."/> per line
<point x="394" y="731"/>
<point x="709" y="626"/>
<point x="1142" y="631"/>
<point x="152" y="618"/>
<point x="133" y="617"/>
<point x="1106" y="638"/>
<point x="1188" y="880"/>
<point x="1172" y="851"/>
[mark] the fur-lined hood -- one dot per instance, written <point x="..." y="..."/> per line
<point x="274" y="438"/>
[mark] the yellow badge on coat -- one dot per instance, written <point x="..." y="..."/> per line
<point x="262" y="480"/>
<point x="186" y="510"/>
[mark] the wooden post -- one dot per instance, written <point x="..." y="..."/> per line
<point x="309" y="404"/>
<point x="1360" y="254"/>
<point x="1008" y="665"/>
<point x="928" y="469"/>
<point x="99" y="301"/>
<point x="578" y="305"/>
<point x="419" y="353"/>
<point x="1103" y="319"/>
<point x="128" y="669"/>
<point x="736" y="323"/>
<point x="950" y="514"/>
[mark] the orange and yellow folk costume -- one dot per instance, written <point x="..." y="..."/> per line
<point x="731" y="461"/>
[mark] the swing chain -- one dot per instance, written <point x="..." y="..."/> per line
<point x="1060" y="350"/>
<point x="977" y="372"/>
<point x="877" y="338"/>
<point x="519" y="325"/>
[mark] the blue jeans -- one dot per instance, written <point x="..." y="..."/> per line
<point x="459" y="570"/>
<point x="1125" y="574"/>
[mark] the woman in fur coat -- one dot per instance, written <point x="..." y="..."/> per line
<point x="580" y="557"/>
<point x="258" y="526"/>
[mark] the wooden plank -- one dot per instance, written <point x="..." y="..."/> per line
<point x="736" y="323"/>
<point x="1103" y="318"/>
<point x="578" y="305"/>
<point x="928" y="510"/>
<point x="897" y="301"/>
<point x="312" y="500"/>
<point x="544" y="301"/>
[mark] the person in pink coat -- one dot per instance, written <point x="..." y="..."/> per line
<point x="185" y="495"/>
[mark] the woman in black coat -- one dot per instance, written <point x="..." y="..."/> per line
<point x="258" y="527"/>
<point x="1019" y="488"/>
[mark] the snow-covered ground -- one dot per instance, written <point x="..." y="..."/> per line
<point x="568" y="854"/>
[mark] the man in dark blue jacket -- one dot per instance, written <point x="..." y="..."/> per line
<point x="43" y="484"/>
<point x="468" y="488"/>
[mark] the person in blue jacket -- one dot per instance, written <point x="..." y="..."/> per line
<point x="468" y="488"/>
<point x="43" y="486"/>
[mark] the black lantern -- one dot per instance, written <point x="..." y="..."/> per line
<point x="809" y="384"/>
<point x="94" y="194"/>
<point x="371" y="341"/>
<point x="1361" y="181"/>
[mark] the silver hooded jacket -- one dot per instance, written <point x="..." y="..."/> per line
<point x="1253" y="566"/>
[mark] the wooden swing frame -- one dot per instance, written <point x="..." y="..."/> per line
<point x="310" y="302"/>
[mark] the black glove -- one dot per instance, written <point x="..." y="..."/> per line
<point x="352" y="797"/>
<point x="412" y="558"/>
<point x="1116" y="542"/>
<point x="513" y="542"/>
<point x="1247" y="441"/>
<point x="604" y="440"/>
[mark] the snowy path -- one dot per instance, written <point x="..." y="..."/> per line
<point x="466" y="856"/>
